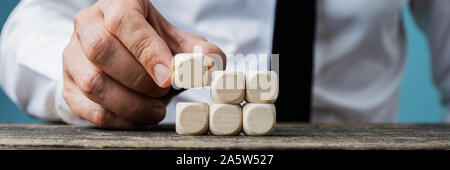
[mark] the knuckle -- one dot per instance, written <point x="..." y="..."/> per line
<point x="139" y="5"/>
<point x="148" y="50"/>
<point x="68" y="49"/>
<point x="101" y="117"/>
<point x="93" y="83"/>
<point x="114" y="21"/>
<point x="98" y="45"/>
<point x="142" y="45"/>
<point x="78" y="18"/>
<point x="66" y="66"/>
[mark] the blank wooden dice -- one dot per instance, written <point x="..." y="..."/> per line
<point x="225" y="119"/>
<point x="190" y="70"/>
<point x="227" y="87"/>
<point x="192" y="118"/>
<point x="259" y="118"/>
<point x="261" y="86"/>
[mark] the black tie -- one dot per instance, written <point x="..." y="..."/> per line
<point x="293" y="40"/>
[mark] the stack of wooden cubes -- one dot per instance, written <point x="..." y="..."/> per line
<point x="228" y="114"/>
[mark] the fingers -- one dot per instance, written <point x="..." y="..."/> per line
<point x="88" y="110"/>
<point x="102" y="89"/>
<point x="151" y="39"/>
<point x="120" y="50"/>
<point x="147" y="36"/>
<point x="108" y="54"/>
<point x="127" y="22"/>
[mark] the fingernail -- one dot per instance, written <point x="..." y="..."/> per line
<point x="162" y="73"/>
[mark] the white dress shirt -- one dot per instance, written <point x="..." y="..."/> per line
<point x="359" y="51"/>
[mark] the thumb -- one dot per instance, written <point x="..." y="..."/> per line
<point x="179" y="41"/>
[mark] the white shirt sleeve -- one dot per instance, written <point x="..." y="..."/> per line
<point x="31" y="47"/>
<point x="432" y="16"/>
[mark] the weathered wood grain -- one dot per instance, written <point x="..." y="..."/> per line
<point x="287" y="136"/>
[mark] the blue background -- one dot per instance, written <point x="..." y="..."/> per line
<point x="9" y="112"/>
<point x="419" y="99"/>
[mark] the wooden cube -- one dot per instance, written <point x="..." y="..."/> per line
<point x="259" y="118"/>
<point x="225" y="119"/>
<point x="261" y="86"/>
<point x="192" y="118"/>
<point x="228" y="87"/>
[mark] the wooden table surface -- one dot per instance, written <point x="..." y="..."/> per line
<point x="287" y="136"/>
